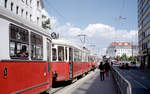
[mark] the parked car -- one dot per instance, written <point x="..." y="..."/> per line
<point x="116" y="63"/>
<point x="124" y="65"/>
<point x="133" y="64"/>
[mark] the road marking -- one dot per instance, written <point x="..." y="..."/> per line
<point x="135" y="80"/>
<point x="143" y="77"/>
<point x="141" y="84"/>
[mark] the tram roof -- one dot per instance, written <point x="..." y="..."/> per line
<point x="67" y="43"/>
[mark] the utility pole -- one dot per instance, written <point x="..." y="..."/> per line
<point x="132" y="49"/>
<point x="82" y="40"/>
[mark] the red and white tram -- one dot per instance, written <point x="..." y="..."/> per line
<point x="24" y="56"/>
<point x="30" y="60"/>
<point x="68" y="60"/>
<point x="93" y="60"/>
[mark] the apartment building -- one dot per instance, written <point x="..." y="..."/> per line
<point x="30" y="10"/>
<point x="120" y="48"/>
<point x="144" y="31"/>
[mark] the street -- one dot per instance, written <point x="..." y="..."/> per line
<point x="138" y="78"/>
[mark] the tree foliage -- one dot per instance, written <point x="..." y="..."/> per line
<point x="46" y="24"/>
<point x="125" y="58"/>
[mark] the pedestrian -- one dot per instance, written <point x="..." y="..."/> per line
<point x="101" y="67"/>
<point x="107" y="68"/>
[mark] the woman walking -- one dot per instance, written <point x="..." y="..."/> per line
<point x="101" y="67"/>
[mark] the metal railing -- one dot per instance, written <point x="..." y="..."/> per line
<point x="123" y="85"/>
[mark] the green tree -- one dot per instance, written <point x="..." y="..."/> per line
<point x="46" y="24"/>
<point x="117" y="58"/>
<point x="130" y="58"/>
<point x="124" y="57"/>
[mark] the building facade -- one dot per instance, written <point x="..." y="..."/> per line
<point x="144" y="31"/>
<point x="30" y="10"/>
<point x="119" y="48"/>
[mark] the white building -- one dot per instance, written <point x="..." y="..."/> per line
<point x="120" y="48"/>
<point x="30" y="10"/>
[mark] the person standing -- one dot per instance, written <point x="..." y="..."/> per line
<point x="107" y="68"/>
<point x="101" y="67"/>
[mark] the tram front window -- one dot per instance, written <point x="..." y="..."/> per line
<point x="70" y="54"/>
<point x="54" y="56"/>
<point x="60" y="53"/>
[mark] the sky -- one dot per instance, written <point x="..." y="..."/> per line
<point x="98" y="19"/>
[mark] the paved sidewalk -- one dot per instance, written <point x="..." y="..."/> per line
<point x="93" y="85"/>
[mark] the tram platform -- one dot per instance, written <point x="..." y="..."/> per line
<point x="91" y="84"/>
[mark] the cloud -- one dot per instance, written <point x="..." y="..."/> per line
<point x="99" y="34"/>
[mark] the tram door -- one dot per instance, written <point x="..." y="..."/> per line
<point x="70" y="62"/>
<point x="48" y="59"/>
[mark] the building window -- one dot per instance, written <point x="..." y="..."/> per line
<point x="36" y="46"/>
<point x="17" y="8"/>
<point x="19" y="42"/>
<point x="23" y="1"/>
<point x="37" y="20"/>
<point x="11" y="6"/>
<point x="30" y="2"/>
<point x="5" y="3"/>
<point x="26" y="14"/>
<point x="30" y="17"/>
<point x="22" y="12"/>
<point x="38" y="4"/>
<point x="27" y="2"/>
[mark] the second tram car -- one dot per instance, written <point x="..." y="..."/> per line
<point x="69" y="61"/>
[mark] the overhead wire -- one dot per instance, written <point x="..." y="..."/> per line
<point x="122" y="8"/>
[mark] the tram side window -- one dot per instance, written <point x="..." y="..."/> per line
<point x="70" y="54"/>
<point x="83" y="57"/>
<point x="60" y="53"/>
<point x="66" y="53"/>
<point x="80" y="56"/>
<point x="54" y="55"/>
<point x="76" y="55"/>
<point x="36" y="47"/>
<point x="19" y="42"/>
<point x="86" y="58"/>
<point x="90" y="59"/>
